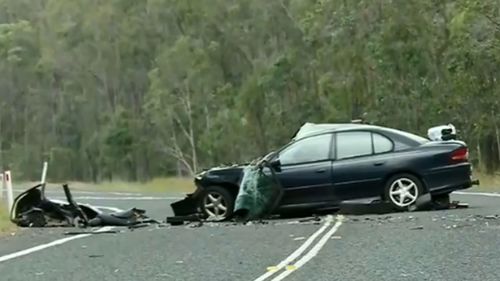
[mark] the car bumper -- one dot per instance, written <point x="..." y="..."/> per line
<point x="454" y="187"/>
<point x="189" y="205"/>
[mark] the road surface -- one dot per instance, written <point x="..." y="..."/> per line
<point x="461" y="244"/>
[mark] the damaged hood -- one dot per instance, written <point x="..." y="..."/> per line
<point x="234" y="170"/>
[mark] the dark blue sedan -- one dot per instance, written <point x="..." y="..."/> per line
<point x="325" y="164"/>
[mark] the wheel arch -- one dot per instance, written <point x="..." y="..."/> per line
<point x="230" y="187"/>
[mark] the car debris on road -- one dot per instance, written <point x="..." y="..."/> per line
<point x="33" y="209"/>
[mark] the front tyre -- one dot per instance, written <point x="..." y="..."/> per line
<point x="403" y="190"/>
<point x="217" y="203"/>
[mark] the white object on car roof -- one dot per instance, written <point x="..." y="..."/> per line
<point x="443" y="132"/>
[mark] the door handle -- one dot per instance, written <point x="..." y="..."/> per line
<point x="320" y="170"/>
<point x="378" y="163"/>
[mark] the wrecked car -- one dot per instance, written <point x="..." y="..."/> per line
<point x="326" y="164"/>
<point x="33" y="209"/>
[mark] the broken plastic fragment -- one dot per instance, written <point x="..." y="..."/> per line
<point x="272" y="268"/>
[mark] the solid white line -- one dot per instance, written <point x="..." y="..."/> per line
<point x="297" y="252"/>
<point x="48" y="245"/>
<point x="312" y="253"/>
<point x="477" y="193"/>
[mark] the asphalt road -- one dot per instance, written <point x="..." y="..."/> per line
<point x="461" y="244"/>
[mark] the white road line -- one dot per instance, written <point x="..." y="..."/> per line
<point x="112" y="209"/>
<point x="311" y="254"/>
<point x="86" y="192"/>
<point x="48" y="245"/>
<point x="477" y="193"/>
<point x="297" y="252"/>
<point x="121" y="198"/>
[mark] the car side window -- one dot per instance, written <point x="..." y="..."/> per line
<point x="381" y="144"/>
<point x="311" y="149"/>
<point x="352" y="144"/>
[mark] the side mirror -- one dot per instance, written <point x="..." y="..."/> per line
<point x="275" y="163"/>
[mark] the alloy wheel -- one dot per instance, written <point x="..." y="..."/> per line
<point x="215" y="206"/>
<point x="403" y="192"/>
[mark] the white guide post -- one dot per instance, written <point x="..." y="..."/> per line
<point x="2" y="185"/>
<point x="8" y="188"/>
<point x="44" y="173"/>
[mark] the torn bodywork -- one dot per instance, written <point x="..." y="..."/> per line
<point x="257" y="195"/>
<point x="33" y="209"/>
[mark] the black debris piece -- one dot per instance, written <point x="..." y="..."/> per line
<point x="33" y="209"/>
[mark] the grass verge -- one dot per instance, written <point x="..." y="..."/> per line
<point x="5" y="224"/>
<point x="158" y="185"/>
<point x="488" y="183"/>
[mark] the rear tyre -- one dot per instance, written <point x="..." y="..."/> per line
<point x="403" y="190"/>
<point x="217" y="203"/>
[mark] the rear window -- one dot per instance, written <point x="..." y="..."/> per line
<point x="413" y="137"/>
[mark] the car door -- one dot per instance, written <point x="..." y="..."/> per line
<point x="360" y="164"/>
<point x="305" y="170"/>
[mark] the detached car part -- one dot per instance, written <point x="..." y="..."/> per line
<point x="33" y="209"/>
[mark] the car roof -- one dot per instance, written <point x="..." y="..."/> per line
<point x="309" y="129"/>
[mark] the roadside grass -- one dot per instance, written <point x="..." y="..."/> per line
<point x="487" y="183"/>
<point x="158" y="185"/>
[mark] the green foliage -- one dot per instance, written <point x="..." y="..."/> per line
<point x="137" y="89"/>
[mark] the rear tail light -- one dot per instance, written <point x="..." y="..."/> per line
<point x="460" y="155"/>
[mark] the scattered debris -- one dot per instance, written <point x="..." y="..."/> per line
<point x="195" y="224"/>
<point x="314" y="218"/>
<point x="179" y="220"/>
<point x="458" y="205"/>
<point x="96" y="256"/>
<point x="90" y="232"/>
